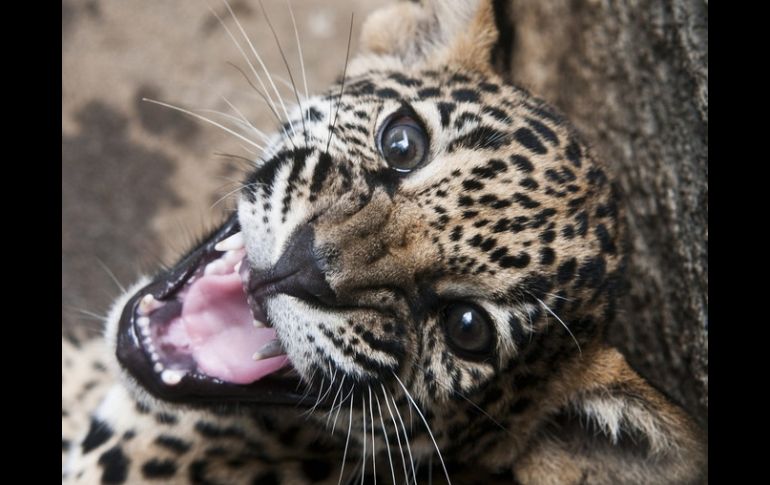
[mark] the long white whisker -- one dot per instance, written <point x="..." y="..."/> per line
<point x="230" y="182"/>
<point x="334" y="424"/>
<point x="523" y="313"/>
<point x="406" y="438"/>
<point x="243" y="124"/>
<point x="266" y="93"/>
<point x="308" y="387"/>
<point x="363" y="421"/>
<point x="330" y="411"/>
<point x="387" y="442"/>
<point x="111" y="275"/>
<point x="262" y="64"/>
<point x="259" y="132"/>
<point x="93" y="315"/>
<point x="562" y="323"/>
<point x="553" y="295"/>
<point x="342" y="86"/>
<point x="354" y="473"/>
<point x="245" y="148"/>
<point x="240" y="160"/>
<point x="331" y="384"/>
<point x="93" y="327"/>
<point x="321" y="387"/>
<point x="282" y="81"/>
<point x="336" y="395"/>
<point x="374" y="450"/>
<point x="207" y="120"/>
<point x="269" y="103"/>
<point x="299" y="47"/>
<point x="234" y="119"/>
<point x="258" y="94"/>
<point x="288" y="69"/>
<point x="320" y="397"/>
<point x="240" y="187"/>
<point x="398" y="436"/>
<point x="347" y="441"/>
<point x="427" y="427"/>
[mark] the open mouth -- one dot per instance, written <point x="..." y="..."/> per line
<point x="196" y="335"/>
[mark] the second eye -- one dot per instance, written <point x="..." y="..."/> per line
<point x="403" y="143"/>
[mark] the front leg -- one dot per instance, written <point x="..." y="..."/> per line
<point x="127" y="443"/>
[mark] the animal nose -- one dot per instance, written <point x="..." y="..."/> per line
<point x="298" y="272"/>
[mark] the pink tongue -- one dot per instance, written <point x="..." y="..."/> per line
<point x="218" y="325"/>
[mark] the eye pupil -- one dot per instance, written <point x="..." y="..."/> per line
<point x="398" y="147"/>
<point x="403" y="144"/>
<point x="468" y="329"/>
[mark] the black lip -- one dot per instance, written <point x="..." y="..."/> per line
<point x="193" y="388"/>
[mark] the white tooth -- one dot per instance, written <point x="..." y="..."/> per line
<point x="148" y="304"/>
<point x="237" y="267"/>
<point x="146" y="331"/>
<point x="270" y="349"/>
<point x="148" y="342"/>
<point x="143" y="322"/>
<point x="257" y="323"/>
<point x="154" y="356"/>
<point x="214" y="268"/>
<point x="233" y="242"/>
<point x="172" y="377"/>
<point x="232" y="257"/>
<point x="158" y="367"/>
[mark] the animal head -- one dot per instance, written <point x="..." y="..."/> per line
<point x="425" y="236"/>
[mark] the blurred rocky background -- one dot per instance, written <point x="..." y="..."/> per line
<point x="141" y="181"/>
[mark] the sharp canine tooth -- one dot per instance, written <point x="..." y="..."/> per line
<point x="172" y="377"/>
<point x="257" y="323"/>
<point x="237" y="267"/>
<point x="270" y="349"/>
<point x="233" y="242"/>
<point x="148" y="304"/>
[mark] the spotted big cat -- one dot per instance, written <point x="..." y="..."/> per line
<point x="415" y="287"/>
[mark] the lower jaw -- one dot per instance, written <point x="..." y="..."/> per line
<point x="193" y="387"/>
<point x="285" y="387"/>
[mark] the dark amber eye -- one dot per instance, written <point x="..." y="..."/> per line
<point x="403" y="143"/>
<point x="468" y="329"/>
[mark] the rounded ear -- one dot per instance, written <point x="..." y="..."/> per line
<point x="615" y="429"/>
<point x="437" y="33"/>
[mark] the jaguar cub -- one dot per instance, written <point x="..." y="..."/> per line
<point x="414" y="288"/>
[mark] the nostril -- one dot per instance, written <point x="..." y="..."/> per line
<point x="300" y="271"/>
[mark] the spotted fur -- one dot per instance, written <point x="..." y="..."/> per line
<point x="511" y="213"/>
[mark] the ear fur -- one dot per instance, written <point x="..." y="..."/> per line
<point x="433" y="34"/>
<point x="615" y="428"/>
